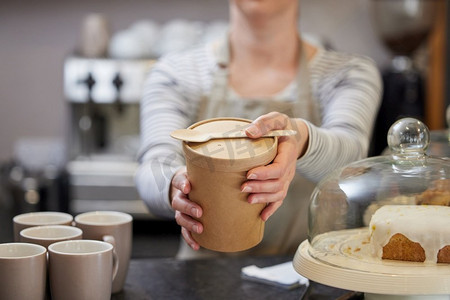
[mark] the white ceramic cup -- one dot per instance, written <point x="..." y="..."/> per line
<point x="23" y="269"/>
<point x="114" y="227"/>
<point x="81" y="269"/>
<point x="41" y="218"/>
<point x="49" y="234"/>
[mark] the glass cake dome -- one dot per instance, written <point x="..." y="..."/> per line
<point x="347" y="197"/>
<point x="337" y="251"/>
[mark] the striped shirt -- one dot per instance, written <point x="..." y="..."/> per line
<point x="347" y="88"/>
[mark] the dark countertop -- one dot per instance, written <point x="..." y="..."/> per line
<point x="219" y="278"/>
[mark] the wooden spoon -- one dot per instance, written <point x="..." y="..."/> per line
<point x="192" y="135"/>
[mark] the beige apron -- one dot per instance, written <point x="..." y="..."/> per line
<point x="287" y="227"/>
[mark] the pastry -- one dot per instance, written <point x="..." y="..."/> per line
<point x="411" y="233"/>
<point x="437" y="194"/>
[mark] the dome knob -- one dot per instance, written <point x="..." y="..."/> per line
<point x="408" y="135"/>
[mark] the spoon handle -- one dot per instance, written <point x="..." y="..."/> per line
<point x="241" y="134"/>
<point x="286" y="132"/>
<point x="189" y="135"/>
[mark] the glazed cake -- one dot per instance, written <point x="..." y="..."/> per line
<point x="411" y="233"/>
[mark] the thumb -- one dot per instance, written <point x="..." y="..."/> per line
<point x="266" y="123"/>
<point x="253" y="131"/>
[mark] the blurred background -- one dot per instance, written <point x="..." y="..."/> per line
<point x="71" y="73"/>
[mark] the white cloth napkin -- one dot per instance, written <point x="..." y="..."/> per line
<point x="282" y="275"/>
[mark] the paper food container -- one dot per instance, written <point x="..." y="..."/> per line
<point x="216" y="170"/>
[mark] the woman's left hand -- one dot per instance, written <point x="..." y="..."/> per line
<point x="269" y="184"/>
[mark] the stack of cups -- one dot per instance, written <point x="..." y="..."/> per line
<point x="83" y="259"/>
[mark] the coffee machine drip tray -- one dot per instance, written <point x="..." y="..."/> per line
<point x="105" y="184"/>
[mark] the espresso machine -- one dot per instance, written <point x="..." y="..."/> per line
<point x="103" y="97"/>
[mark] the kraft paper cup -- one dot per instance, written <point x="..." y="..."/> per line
<point x="113" y="227"/>
<point x="23" y="269"/>
<point x="41" y="218"/>
<point x="81" y="269"/>
<point x="47" y="235"/>
<point x="216" y="170"/>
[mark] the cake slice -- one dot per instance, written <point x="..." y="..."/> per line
<point x="411" y="233"/>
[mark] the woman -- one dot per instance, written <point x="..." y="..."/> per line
<point x="262" y="70"/>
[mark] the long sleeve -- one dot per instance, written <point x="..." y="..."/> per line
<point x="170" y="98"/>
<point x="350" y="93"/>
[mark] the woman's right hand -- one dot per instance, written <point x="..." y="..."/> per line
<point x="185" y="209"/>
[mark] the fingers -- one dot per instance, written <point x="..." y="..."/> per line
<point x="185" y="220"/>
<point x="269" y="184"/>
<point x="181" y="182"/>
<point x="266" y="191"/>
<point x="256" y="186"/>
<point x="268" y="172"/>
<point x="283" y="165"/>
<point x="189" y="240"/>
<point x="266" y="123"/>
<point x="267" y="197"/>
<point x="188" y="222"/>
<point x="181" y="203"/>
<point x="270" y="191"/>
<point x="270" y="209"/>
<point x="275" y="170"/>
<point x="185" y="209"/>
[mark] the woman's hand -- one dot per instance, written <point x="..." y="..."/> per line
<point x="269" y="184"/>
<point x="185" y="209"/>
